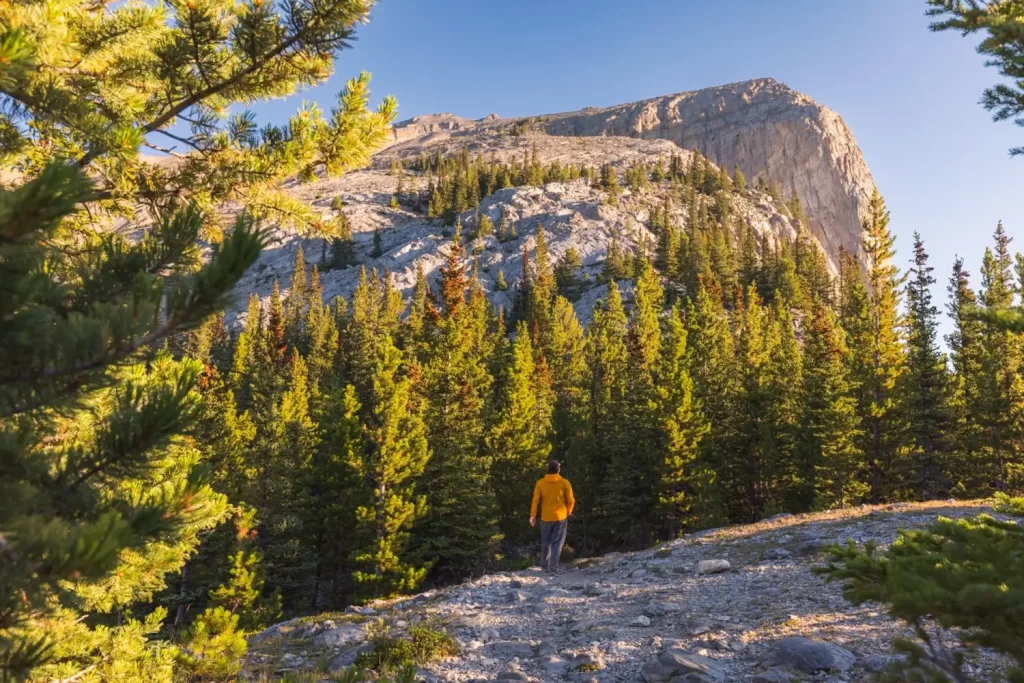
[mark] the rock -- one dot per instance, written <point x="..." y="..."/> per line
<point x="659" y="609"/>
<point x="774" y="676"/>
<point x="880" y="663"/>
<point x="589" y="625"/>
<point x="512" y="676"/>
<point x="546" y="647"/>
<point x="515" y="583"/>
<point x="753" y="125"/>
<point x="713" y="566"/>
<point x="515" y="596"/>
<point x="777" y="554"/>
<point x="489" y="634"/>
<point x="675" y="662"/>
<point x="364" y="611"/>
<point x="510" y="648"/>
<point x="340" y="636"/>
<point x="811" y="656"/>
<point x="554" y="665"/>
<point x="640" y="621"/>
<point x="291" y="661"/>
<point x="696" y="627"/>
<point x="348" y="657"/>
<point x="597" y="589"/>
<point x="587" y="662"/>
<point x="693" y="677"/>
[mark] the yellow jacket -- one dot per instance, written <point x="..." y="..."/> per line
<point x="554" y="495"/>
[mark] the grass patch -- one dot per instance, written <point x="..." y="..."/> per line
<point x="391" y="654"/>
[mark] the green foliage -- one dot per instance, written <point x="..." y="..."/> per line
<point x="963" y="575"/>
<point x="95" y="85"/>
<point x="1003" y="44"/>
<point x="423" y="646"/>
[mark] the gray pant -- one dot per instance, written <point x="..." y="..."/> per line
<point x="552" y="538"/>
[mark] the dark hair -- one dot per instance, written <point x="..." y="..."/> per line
<point x="554" y="467"/>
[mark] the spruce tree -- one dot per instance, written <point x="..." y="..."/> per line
<point x="630" y="496"/>
<point x="684" y="427"/>
<point x="566" y="281"/>
<point x="924" y="386"/>
<point x="969" y="475"/>
<point x="86" y="500"/>
<point x="1000" y="410"/>
<point x="182" y="65"/>
<point x="517" y="438"/>
<point x="607" y="359"/>
<point x="711" y="357"/>
<point x="459" y="526"/>
<point x="891" y="470"/>
<point x="394" y="457"/>
<point x="833" y="434"/>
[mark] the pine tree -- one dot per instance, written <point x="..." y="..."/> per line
<point x="739" y="180"/>
<point x="517" y="439"/>
<point x="610" y="183"/>
<point x="378" y="243"/>
<point x="500" y="283"/>
<point x="566" y="281"/>
<point x="891" y="470"/>
<point x="459" y="526"/>
<point x="104" y="494"/>
<point x="192" y="61"/>
<point x="393" y="459"/>
<point x="342" y="253"/>
<point x="631" y="487"/>
<point x="832" y="431"/>
<point x="969" y="474"/>
<point x="607" y="359"/>
<point x="684" y="427"/>
<point x="710" y="354"/>
<point x="924" y="386"/>
<point x="1000" y="410"/>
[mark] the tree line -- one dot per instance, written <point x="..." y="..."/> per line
<point x="382" y="446"/>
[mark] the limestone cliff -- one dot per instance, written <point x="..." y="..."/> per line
<point x="762" y="126"/>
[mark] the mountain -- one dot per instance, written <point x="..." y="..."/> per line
<point x="761" y="127"/>
<point x="675" y="612"/>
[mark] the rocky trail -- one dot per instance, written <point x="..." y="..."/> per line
<point x="735" y="604"/>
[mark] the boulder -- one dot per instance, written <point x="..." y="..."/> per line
<point x="515" y="597"/>
<point x="595" y="590"/>
<point x="554" y="665"/>
<point x="640" y="621"/>
<point x="340" y="636"/>
<point x="774" y="676"/>
<point x="511" y="676"/>
<point x="348" y="657"/>
<point x="587" y="662"/>
<point x="657" y="608"/>
<point x="511" y="648"/>
<point x="811" y="656"/>
<point x="713" y="566"/>
<point x="674" y="663"/>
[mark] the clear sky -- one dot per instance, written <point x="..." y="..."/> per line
<point x="910" y="96"/>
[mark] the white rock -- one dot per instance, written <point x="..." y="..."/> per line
<point x="713" y="566"/>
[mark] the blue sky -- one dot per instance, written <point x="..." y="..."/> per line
<point x="910" y="96"/>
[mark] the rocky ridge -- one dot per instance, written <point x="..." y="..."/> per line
<point x="573" y="214"/>
<point x="733" y="604"/>
<point x="762" y="126"/>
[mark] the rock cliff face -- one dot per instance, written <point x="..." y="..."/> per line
<point x="762" y="126"/>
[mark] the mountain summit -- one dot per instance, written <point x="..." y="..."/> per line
<point x="763" y="127"/>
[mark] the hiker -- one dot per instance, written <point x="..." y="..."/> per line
<point x="554" y="495"/>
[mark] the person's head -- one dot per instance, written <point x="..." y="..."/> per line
<point x="554" y="467"/>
